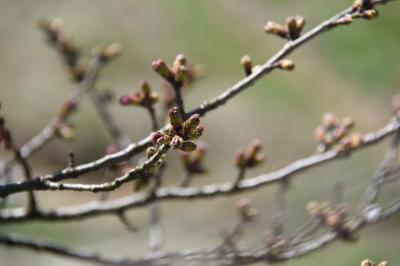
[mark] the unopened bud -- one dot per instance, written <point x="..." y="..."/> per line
<point x="367" y="263"/>
<point x="313" y="208"/>
<point x="356" y="140"/>
<point x="286" y="64"/>
<point x="109" y="52"/>
<point x="175" y="118"/>
<point x="328" y="120"/>
<point x="319" y="133"/>
<point x="188" y="146"/>
<point x="150" y="151"/>
<point x="163" y="70"/>
<point x="180" y="60"/>
<point x="246" y="210"/>
<point x="65" y="131"/>
<point x="176" y="142"/>
<point x="294" y="26"/>
<point x="156" y="137"/>
<point x="239" y="158"/>
<point x="370" y="14"/>
<point x="276" y="29"/>
<point x="348" y="122"/>
<point x="182" y="74"/>
<point x="245" y="61"/>
<point x="197" y="132"/>
<point x="145" y="87"/>
<point x="357" y="4"/>
<point x="192" y="122"/>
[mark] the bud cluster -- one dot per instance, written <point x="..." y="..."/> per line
<point x="333" y="217"/>
<point x="179" y="75"/>
<point x="193" y="162"/>
<point x="145" y="98"/>
<point x="246" y="211"/>
<point x="290" y="30"/>
<point x="333" y="131"/>
<point x="180" y="133"/>
<point x="251" y="157"/>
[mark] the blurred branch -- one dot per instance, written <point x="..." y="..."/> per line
<point x="207" y="191"/>
<point x="49" y="131"/>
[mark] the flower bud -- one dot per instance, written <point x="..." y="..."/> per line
<point x="356" y="140"/>
<point x="145" y="87"/>
<point x="357" y="4"/>
<point x="111" y="51"/>
<point x="245" y="61"/>
<point x="150" y="151"/>
<point x="367" y="263"/>
<point x="370" y="14"/>
<point x="246" y="210"/>
<point x="182" y="74"/>
<point x="175" y="118"/>
<point x="188" y="146"/>
<point x="313" y="208"/>
<point x="347" y="122"/>
<point x="254" y="147"/>
<point x="65" y="131"/>
<point x="383" y="263"/>
<point x="295" y="25"/>
<point x="328" y="120"/>
<point x="286" y="64"/>
<point x="163" y="70"/>
<point x="276" y="29"/>
<point x="239" y="158"/>
<point x="197" y="132"/>
<point x="156" y="137"/>
<point x="319" y="133"/>
<point x="180" y="60"/>
<point x="176" y="142"/>
<point x="192" y="122"/>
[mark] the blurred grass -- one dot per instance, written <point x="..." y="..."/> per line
<point x="350" y="71"/>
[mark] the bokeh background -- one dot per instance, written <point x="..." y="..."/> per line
<point x="350" y="71"/>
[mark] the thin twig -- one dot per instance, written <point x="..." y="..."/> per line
<point x="178" y="193"/>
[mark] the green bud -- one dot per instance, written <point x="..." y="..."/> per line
<point x="188" y="146"/>
<point x="175" y="118"/>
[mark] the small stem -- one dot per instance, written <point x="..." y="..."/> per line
<point x="240" y="177"/>
<point x="152" y="113"/>
<point x="32" y="203"/>
<point x="186" y="179"/>
<point x="178" y="98"/>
